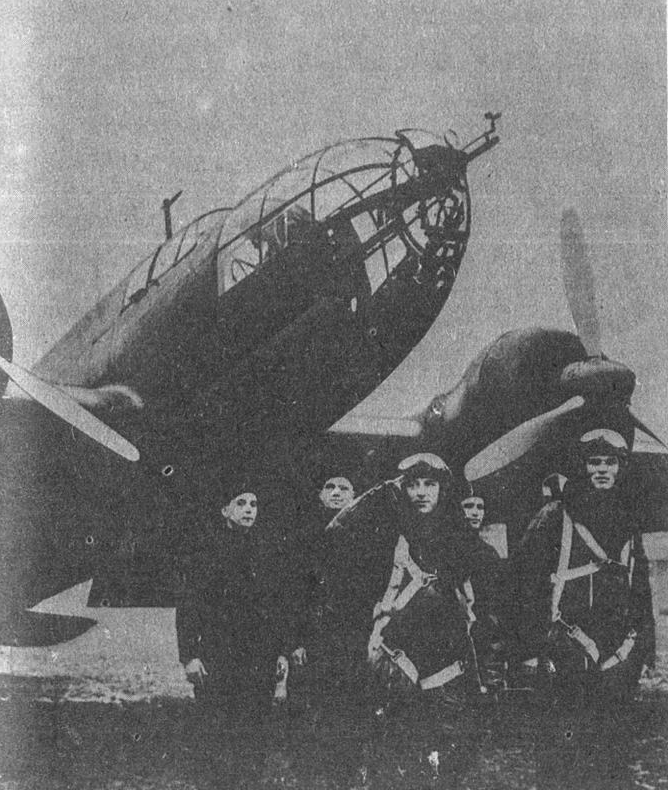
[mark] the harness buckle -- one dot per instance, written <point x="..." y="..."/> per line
<point x="614" y="562"/>
<point x="571" y="630"/>
<point x="559" y="619"/>
<point x="394" y="655"/>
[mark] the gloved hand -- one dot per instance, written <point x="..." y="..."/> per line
<point x="196" y="672"/>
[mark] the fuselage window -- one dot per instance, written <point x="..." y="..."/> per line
<point x="364" y="226"/>
<point x="380" y="265"/>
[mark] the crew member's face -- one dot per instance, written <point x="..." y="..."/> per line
<point x="602" y="471"/>
<point x="336" y="493"/>
<point x="242" y="510"/>
<point x="423" y="493"/>
<point x="474" y="510"/>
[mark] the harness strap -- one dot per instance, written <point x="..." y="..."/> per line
<point x="393" y="600"/>
<point x="387" y="601"/>
<point x="404" y="663"/>
<point x="592" y="543"/>
<point x="376" y="643"/>
<point x="408" y="592"/>
<point x="628" y="557"/>
<point x="409" y="669"/>
<point x="575" y="573"/>
<point x="622" y="652"/>
<point x="585" y="641"/>
<point x="558" y="579"/>
<point x="466" y="598"/>
<point x="445" y="675"/>
<point x="564" y="574"/>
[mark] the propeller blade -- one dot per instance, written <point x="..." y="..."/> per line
<point x="6" y="340"/>
<point x="579" y="283"/>
<point x="640" y="425"/>
<point x="63" y="406"/>
<point x="372" y="425"/>
<point x="516" y="443"/>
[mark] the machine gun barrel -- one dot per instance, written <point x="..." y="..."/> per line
<point x="487" y="143"/>
<point x="488" y="139"/>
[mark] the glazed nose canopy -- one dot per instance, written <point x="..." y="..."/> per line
<point x="598" y="379"/>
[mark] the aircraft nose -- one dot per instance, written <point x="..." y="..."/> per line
<point x="598" y="379"/>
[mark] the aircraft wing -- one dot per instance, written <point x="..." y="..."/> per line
<point x="71" y="510"/>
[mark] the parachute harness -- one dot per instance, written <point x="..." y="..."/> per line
<point x="394" y="601"/>
<point x="565" y="574"/>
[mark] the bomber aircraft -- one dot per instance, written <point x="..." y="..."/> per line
<point x="234" y="343"/>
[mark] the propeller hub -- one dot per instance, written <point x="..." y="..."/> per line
<point x="599" y="380"/>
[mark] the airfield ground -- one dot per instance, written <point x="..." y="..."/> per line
<point x="56" y="733"/>
<point x="111" y="710"/>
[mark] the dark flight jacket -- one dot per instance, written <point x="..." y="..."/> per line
<point x="230" y="612"/>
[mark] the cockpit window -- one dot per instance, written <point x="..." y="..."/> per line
<point x="183" y="244"/>
<point x="351" y="183"/>
<point x="367" y="198"/>
<point x="170" y="253"/>
<point x="260" y="241"/>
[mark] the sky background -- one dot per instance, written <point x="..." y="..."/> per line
<point x="108" y="107"/>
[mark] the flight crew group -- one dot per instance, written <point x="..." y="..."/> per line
<point x="401" y="604"/>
